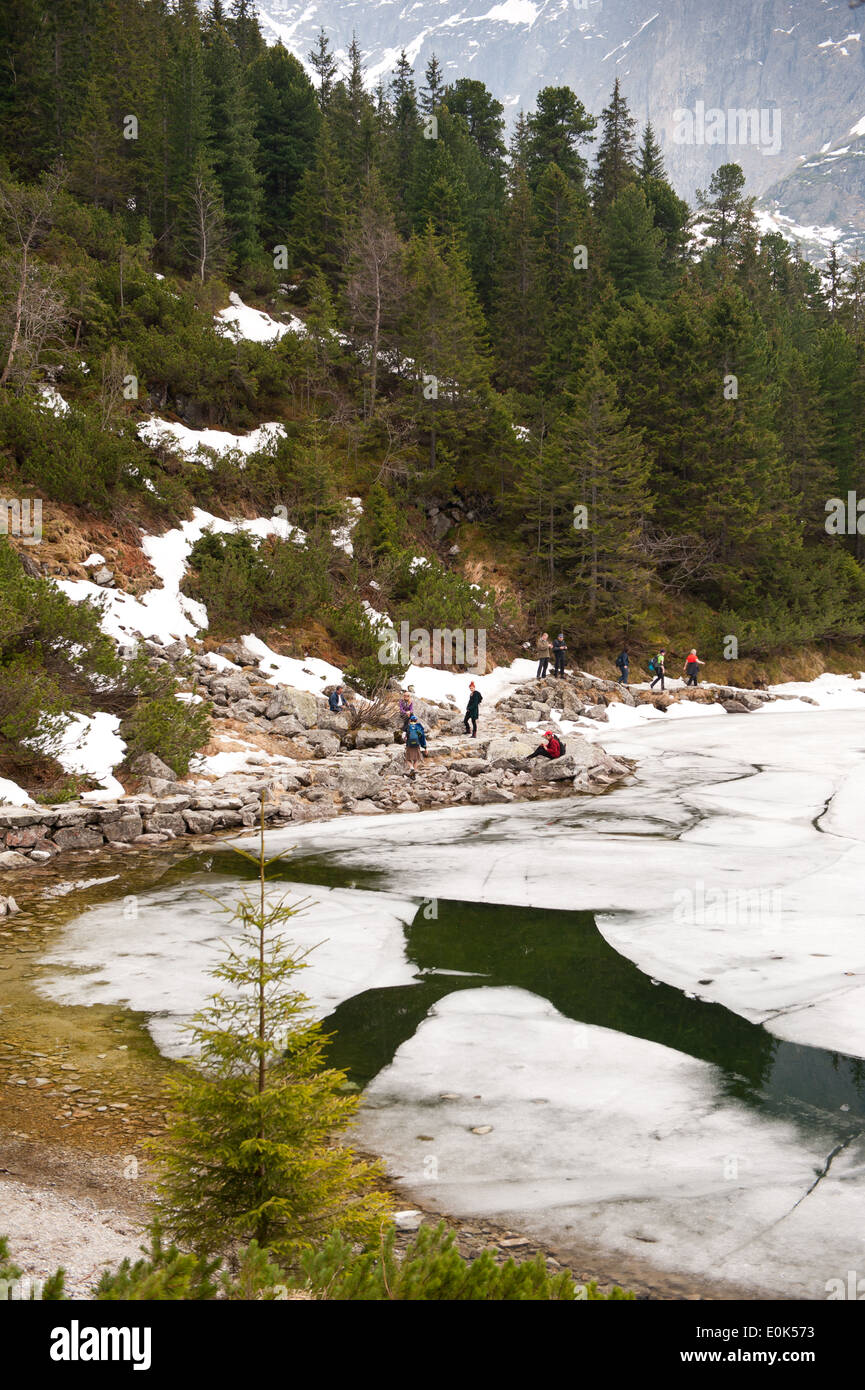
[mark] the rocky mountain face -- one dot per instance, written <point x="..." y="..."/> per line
<point x="774" y="85"/>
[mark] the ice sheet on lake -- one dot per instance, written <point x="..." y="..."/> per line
<point x="615" y="1141"/>
<point x="164" y="945"/>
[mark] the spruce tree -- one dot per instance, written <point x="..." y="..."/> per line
<point x="431" y="96"/>
<point x="616" y="163"/>
<point x="250" y="1154"/>
<point x="634" y="245"/>
<point x="554" y="132"/>
<point x="287" y="123"/>
<point x="324" y="63"/>
<point x="233" y="147"/>
<point x="650" y="161"/>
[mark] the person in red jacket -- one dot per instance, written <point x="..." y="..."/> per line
<point x="549" y="748"/>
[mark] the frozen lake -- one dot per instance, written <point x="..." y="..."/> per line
<point x="650" y="1003"/>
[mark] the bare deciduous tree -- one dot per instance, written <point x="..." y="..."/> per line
<point x="37" y="311"/>
<point x="376" y="285"/>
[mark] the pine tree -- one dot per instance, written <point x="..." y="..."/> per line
<point x="553" y="133"/>
<point x="233" y="147"/>
<point x="518" y="303"/>
<point x="725" y="207"/>
<point x="250" y="1154"/>
<point x="598" y="462"/>
<point x="287" y="124"/>
<point x="244" y="29"/>
<point x="325" y="66"/>
<point x="634" y="245"/>
<point x="319" y="216"/>
<point x="616" y="163"/>
<point x="403" y="135"/>
<point x="432" y="95"/>
<point x="650" y="161"/>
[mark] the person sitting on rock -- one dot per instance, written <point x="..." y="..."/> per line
<point x="543" y="650"/>
<point x="406" y="710"/>
<point x="692" y="666"/>
<point x="415" y="743"/>
<point x="337" y="700"/>
<point x="548" y="748"/>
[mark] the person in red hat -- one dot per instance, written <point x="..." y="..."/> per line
<point x="550" y="747"/>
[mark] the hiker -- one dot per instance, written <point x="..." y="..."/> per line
<point x="543" y="650"/>
<point x="337" y="700"/>
<point x="415" y="742"/>
<point x="623" y="661"/>
<point x="692" y="666"/>
<point x="406" y="710"/>
<point x="549" y="748"/>
<point x="559" y="649"/>
<point x="472" y="709"/>
<point x="657" y="670"/>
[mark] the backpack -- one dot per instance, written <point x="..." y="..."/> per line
<point x="563" y="747"/>
<point x="652" y="666"/>
<point x="621" y="662"/>
<point x="413" y="736"/>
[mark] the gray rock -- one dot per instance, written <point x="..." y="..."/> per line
<point x="510" y="753"/>
<point x="124" y="830"/>
<point x="148" y="765"/>
<point x="735" y="706"/>
<point x="17" y="817"/>
<point x="324" y="741"/>
<point x="11" y="859"/>
<point x="103" y="576"/>
<point x="162" y="821"/>
<point x="598" y="712"/>
<point x="175" y="651"/>
<point x="299" y="703"/>
<point x="489" y="796"/>
<point x="8" y="907"/>
<point x="78" y="837"/>
<point x="373" y="738"/>
<point x="365" y="807"/>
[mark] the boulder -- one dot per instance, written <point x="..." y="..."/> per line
<point x="367" y="737"/>
<point x="735" y="707"/>
<point x="78" y="837"/>
<point x="299" y="703"/>
<point x="337" y="723"/>
<point x="17" y="817"/>
<point x="287" y="725"/>
<point x="555" y="769"/>
<point x="148" y="765"/>
<point x="11" y="859"/>
<point x="162" y="821"/>
<point x="598" y="712"/>
<point x="510" y="753"/>
<point x="324" y="741"/>
<point x="489" y="796"/>
<point x="124" y="830"/>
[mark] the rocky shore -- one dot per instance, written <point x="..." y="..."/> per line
<point x="286" y="747"/>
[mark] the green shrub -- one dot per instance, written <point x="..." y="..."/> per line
<point x="372" y="662"/>
<point x="246" y="584"/>
<point x="432" y="1269"/>
<point x="172" y="729"/>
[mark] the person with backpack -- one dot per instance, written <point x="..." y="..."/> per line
<point x="692" y="666"/>
<point x="550" y="747"/>
<point x="623" y="661"/>
<point x="657" y="669"/>
<point x="559" y="649"/>
<point x="415" y="742"/>
<point x="543" y="652"/>
<point x="406" y="710"/>
<point x="472" y="709"/>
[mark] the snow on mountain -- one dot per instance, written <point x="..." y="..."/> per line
<point x="795" y="63"/>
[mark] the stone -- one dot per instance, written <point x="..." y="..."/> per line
<point x="148" y="765"/>
<point x="337" y="723"/>
<point x="324" y="741"/>
<point x="27" y="838"/>
<point x="123" y="831"/>
<point x="198" y="822"/>
<point x="490" y="796"/>
<point x="408" y="1220"/>
<point x="734" y="707"/>
<point x="162" y="821"/>
<point x="171" y="805"/>
<point x="367" y="737"/>
<point x="175" y="651"/>
<point x="598" y="712"/>
<point x="78" y="837"/>
<point x="41" y="856"/>
<point x="18" y="817"/>
<point x="511" y="754"/>
<point x="230" y="688"/>
<point x="103" y="576"/>
<point x="299" y="703"/>
<point x="8" y="907"/>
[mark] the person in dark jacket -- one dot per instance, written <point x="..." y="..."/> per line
<point x="623" y="662"/>
<point x="691" y="669"/>
<point x="659" y="669"/>
<point x="559" y="649"/>
<point x="337" y="700"/>
<point x="548" y="748"/>
<point x="472" y="710"/>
